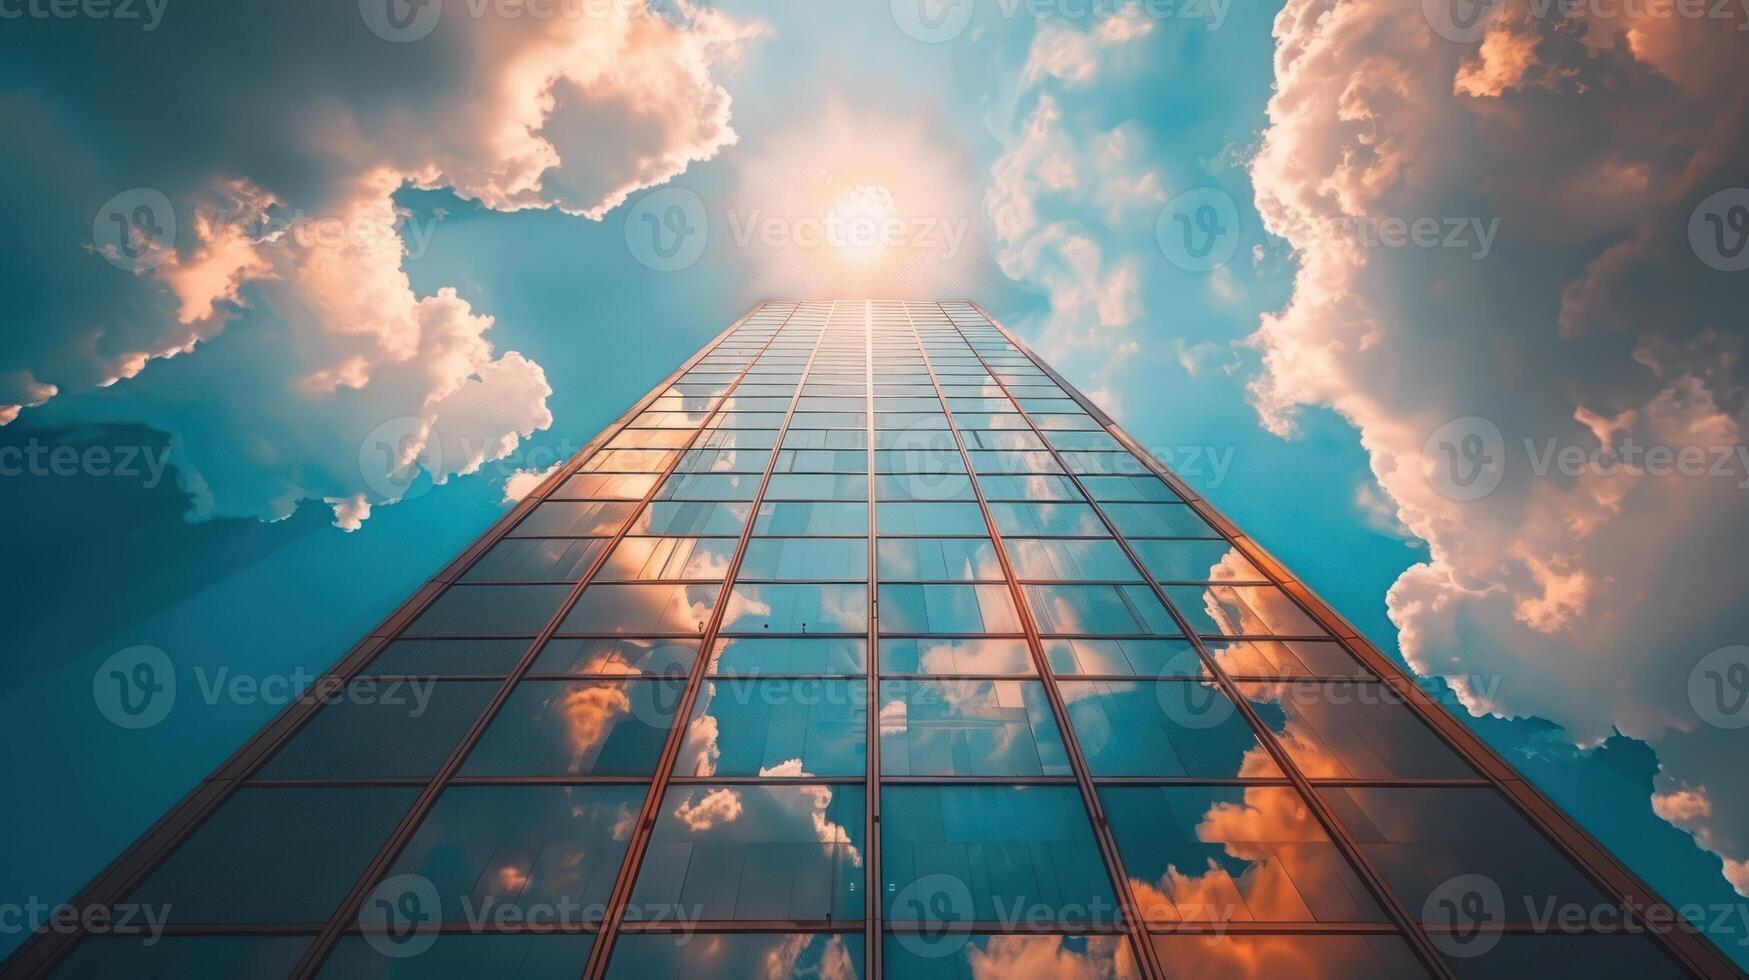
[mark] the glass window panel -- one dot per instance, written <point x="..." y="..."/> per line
<point x="814" y="403"/>
<point x="490" y="610"/>
<point x="1286" y="658"/>
<point x="742" y="439"/>
<point x="757" y="655"/>
<point x="991" y="851"/>
<point x="756" y="403"/>
<point x="628" y="461"/>
<point x="649" y="559"/>
<point x="812" y="518"/>
<point x="1057" y="560"/>
<point x="924" y="487"/>
<point x="578" y="728"/>
<point x="516" y="848"/>
<point x="817" y="486"/>
<point x="605" y="486"/>
<point x="154" y="957"/>
<point x="536" y="560"/>
<point x="1077" y="520"/>
<point x="1071" y="441"/>
<point x="577" y="518"/>
<point x="461" y="657"/>
<point x="918" y="461"/>
<point x="1135" y="489"/>
<point x="1232" y="854"/>
<point x="1241" y="610"/>
<point x="797" y="609"/>
<point x="987" y="422"/>
<point x="938" y="559"/>
<point x="947" y="609"/>
<point x="455" y="956"/>
<point x="988" y="461"/>
<point x="669" y="420"/>
<point x="382" y="730"/>
<point x="1098" y="609"/>
<point x="1043" y="486"/>
<point x="1195" y="561"/>
<point x="932" y="518"/>
<point x="934" y="954"/>
<point x="1130" y="658"/>
<point x="725" y="461"/>
<point x="709" y="486"/>
<point x="1158" y="520"/>
<point x="830" y="420"/>
<point x="748" y="420"/>
<point x="1103" y="463"/>
<point x="642" y="609"/>
<point x="1349" y="730"/>
<point x="1163" y="728"/>
<point x="691" y="517"/>
<point x="616" y="656"/>
<point x="1491" y="955"/>
<point x="777" y="727"/>
<point x="825" y="439"/>
<point x="1058" y="421"/>
<point x="768" y="956"/>
<point x="955" y="656"/>
<point x="1420" y="838"/>
<point x="1306" y="957"/>
<point x="969" y="728"/>
<point x="276" y="855"/>
<point x="1016" y="440"/>
<point x="926" y="443"/>
<point x="822" y="461"/>
<point x="805" y="559"/>
<point x="760" y="852"/>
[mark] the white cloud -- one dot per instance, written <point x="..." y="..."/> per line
<point x="1592" y="323"/>
<point x="523" y="482"/>
<point x="286" y="233"/>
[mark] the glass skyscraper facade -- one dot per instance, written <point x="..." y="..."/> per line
<point x="865" y="646"/>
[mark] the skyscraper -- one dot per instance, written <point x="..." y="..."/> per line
<point x="864" y="645"/>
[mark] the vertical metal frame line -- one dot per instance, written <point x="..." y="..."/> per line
<point x="1388" y="900"/>
<point x="403" y="833"/>
<point x="873" y="911"/>
<point x="1142" y="950"/>
<point x="638" y="846"/>
<point x="39" y="954"/>
<point x="1689" y="946"/>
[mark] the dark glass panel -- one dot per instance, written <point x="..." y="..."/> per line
<point x="984" y="853"/>
<point x="380" y="729"/>
<point x="276" y="855"/>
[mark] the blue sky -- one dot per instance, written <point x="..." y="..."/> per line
<point x="1050" y="146"/>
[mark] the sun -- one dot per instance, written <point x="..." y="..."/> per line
<point x="867" y="222"/>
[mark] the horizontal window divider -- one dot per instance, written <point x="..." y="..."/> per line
<point x="743" y="779"/>
<point x="889" y="779"/>
<point x="981" y="927"/>
<point x="1229" y="927"/>
<point x="693" y="927"/>
<point x="558" y="780"/>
